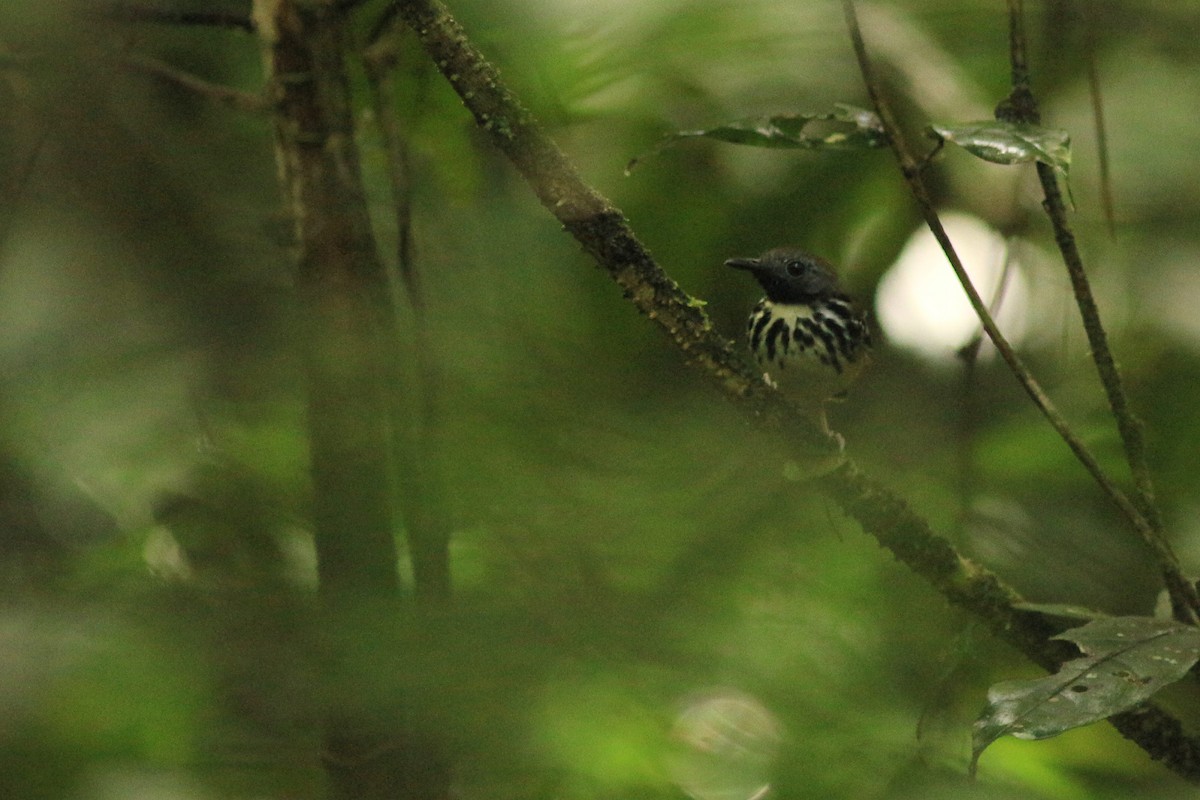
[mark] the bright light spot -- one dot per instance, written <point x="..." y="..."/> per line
<point x="921" y="305"/>
<point x="725" y="743"/>
<point x="164" y="557"/>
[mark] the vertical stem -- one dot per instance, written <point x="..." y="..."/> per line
<point x="1018" y="61"/>
<point x="417" y="440"/>
<point x="342" y="288"/>
<point x="347" y="338"/>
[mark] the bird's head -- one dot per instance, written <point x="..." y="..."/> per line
<point x="789" y="275"/>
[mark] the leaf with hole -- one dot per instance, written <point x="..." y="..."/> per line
<point x="845" y="128"/>
<point x="1009" y="142"/>
<point x="1126" y="660"/>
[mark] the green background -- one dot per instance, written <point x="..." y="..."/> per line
<point x="624" y="543"/>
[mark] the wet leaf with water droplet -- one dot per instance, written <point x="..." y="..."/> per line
<point x="845" y="128"/>
<point x="1126" y="660"/>
<point x="1009" y="142"/>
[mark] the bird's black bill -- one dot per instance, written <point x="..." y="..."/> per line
<point x="744" y="263"/>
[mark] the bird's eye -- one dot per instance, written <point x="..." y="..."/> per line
<point x="794" y="268"/>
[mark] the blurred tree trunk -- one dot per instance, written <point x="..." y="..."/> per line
<point x="347" y="330"/>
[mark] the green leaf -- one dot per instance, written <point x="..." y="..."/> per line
<point x="1126" y="660"/>
<point x="847" y="128"/>
<point x="1009" y="142"/>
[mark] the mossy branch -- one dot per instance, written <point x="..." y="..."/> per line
<point x="594" y="222"/>
<point x="606" y="235"/>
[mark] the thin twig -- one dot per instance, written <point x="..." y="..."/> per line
<point x="1093" y="75"/>
<point x="969" y="419"/>
<point x="1021" y="106"/>
<point x="233" y="98"/>
<point x="379" y="59"/>
<point x="382" y="25"/>
<point x="911" y="169"/>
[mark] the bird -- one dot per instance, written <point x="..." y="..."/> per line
<point x="806" y="335"/>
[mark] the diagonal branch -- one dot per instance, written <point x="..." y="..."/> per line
<point x="1155" y="731"/>
<point x="1021" y="106"/>
<point x="584" y="213"/>
<point x="607" y="237"/>
<point x="911" y="170"/>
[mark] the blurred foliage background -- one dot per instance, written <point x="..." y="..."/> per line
<point x="635" y="575"/>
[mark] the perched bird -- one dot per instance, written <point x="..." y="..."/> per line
<point x="806" y="336"/>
